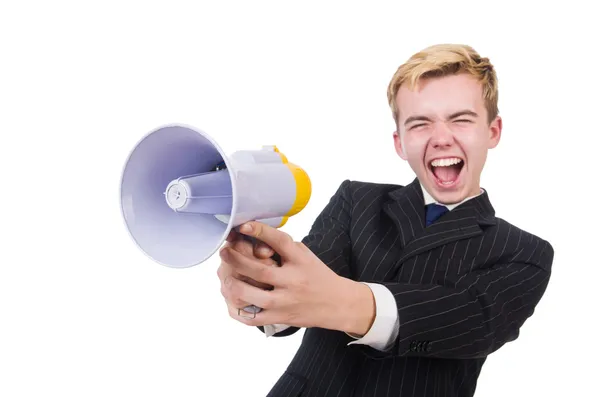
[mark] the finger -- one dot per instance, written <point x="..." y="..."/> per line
<point x="245" y="247"/>
<point x="249" y="267"/>
<point x="262" y="250"/>
<point x="245" y="244"/>
<point x="228" y="293"/>
<point x="259" y="251"/>
<point x="242" y="246"/>
<point x="225" y="270"/>
<point x="255" y="283"/>
<point x="261" y="318"/>
<point x="232" y="236"/>
<point x="240" y="294"/>
<point x="250" y="246"/>
<point x="279" y="241"/>
<point x="244" y="317"/>
<point x="234" y="303"/>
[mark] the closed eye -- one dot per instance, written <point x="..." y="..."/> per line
<point x="463" y="121"/>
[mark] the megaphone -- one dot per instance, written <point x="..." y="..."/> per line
<point x="181" y="194"/>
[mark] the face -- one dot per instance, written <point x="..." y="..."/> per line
<point x="444" y="134"/>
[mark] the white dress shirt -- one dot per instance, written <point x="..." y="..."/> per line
<point x="384" y="329"/>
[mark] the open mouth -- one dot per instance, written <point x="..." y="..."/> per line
<point x="446" y="171"/>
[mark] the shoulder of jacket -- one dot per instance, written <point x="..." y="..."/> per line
<point x="528" y="237"/>
<point x="354" y="185"/>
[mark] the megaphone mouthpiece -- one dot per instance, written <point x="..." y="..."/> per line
<point x="204" y="193"/>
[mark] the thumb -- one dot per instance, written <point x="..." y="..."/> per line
<point x="262" y="250"/>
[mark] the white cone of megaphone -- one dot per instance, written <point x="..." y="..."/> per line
<point x="181" y="194"/>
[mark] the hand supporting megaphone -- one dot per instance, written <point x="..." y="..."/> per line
<point x="306" y="292"/>
<point x="251" y="248"/>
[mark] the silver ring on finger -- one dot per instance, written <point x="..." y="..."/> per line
<point x="249" y="310"/>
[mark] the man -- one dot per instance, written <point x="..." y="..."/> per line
<point x="403" y="290"/>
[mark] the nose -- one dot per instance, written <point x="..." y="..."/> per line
<point x="441" y="136"/>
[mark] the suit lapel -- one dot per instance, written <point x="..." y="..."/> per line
<point x="406" y="207"/>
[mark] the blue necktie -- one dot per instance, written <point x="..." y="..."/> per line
<point x="434" y="211"/>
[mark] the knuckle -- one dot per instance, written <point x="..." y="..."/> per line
<point x="232" y="290"/>
<point x="225" y="292"/>
<point x="232" y="261"/>
<point x="228" y="288"/>
<point x="239" y="303"/>
<point x="223" y="252"/>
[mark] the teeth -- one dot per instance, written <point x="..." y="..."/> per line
<point x="445" y="162"/>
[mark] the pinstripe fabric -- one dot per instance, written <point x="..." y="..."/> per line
<point x="463" y="286"/>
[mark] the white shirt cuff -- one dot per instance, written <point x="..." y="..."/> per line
<point x="272" y="329"/>
<point x="385" y="327"/>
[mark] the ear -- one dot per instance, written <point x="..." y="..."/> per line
<point x="398" y="145"/>
<point x="495" y="131"/>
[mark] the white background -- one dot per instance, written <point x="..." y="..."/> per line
<point x="84" y="313"/>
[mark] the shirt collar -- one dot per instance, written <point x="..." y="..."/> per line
<point x="430" y="200"/>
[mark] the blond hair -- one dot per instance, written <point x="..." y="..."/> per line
<point x="442" y="60"/>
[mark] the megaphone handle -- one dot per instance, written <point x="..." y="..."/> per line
<point x="252" y="309"/>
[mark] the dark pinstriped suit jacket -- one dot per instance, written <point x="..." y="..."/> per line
<point x="463" y="286"/>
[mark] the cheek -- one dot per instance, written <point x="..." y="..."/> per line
<point x="415" y="147"/>
<point x="475" y="148"/>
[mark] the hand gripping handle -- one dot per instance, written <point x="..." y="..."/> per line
<point x="252" y="309"/>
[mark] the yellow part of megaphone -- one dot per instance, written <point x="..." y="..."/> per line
<point x="303" y="188"/>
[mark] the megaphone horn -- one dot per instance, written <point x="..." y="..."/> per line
<point x="181" y="195"/>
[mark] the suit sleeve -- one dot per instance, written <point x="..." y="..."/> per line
<point x="329" y="237"/>
<point x="470" y="316"/>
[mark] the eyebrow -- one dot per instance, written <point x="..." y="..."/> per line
<point x="452" y="116"/>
